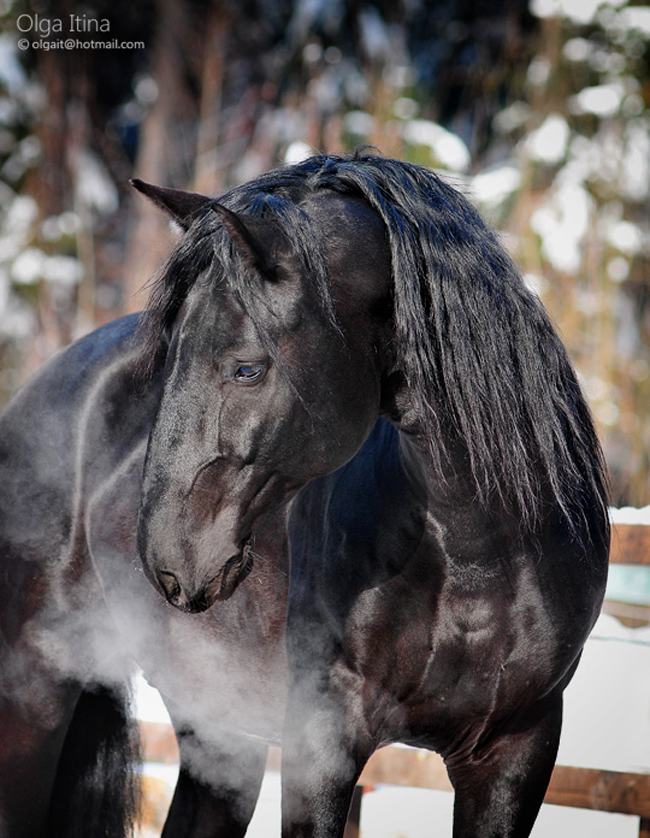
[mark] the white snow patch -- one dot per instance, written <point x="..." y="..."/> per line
<point x="359" y="122"/>
<point x="64" y="271"/>
<point x="549" y="143"/>
<point x="562" y="224"/>
<point x="297" y="152"/>
<point x="12" y="74"/>
<point x="494" y="186"/>
<point x="636" y="17"/>
<point x="630" y="515"/>
<point x="635" y="166"/>
<point x="603" y="100"/>
<point x="27" y="268"/>
<point x="94" y="187"/>
<point x="447" y="149"/>
<point x="578" y="11"/>
<point x="626" y="237"/>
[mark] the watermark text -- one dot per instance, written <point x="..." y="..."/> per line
<point x="76" y="31"/>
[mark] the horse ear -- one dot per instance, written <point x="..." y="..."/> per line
<point x="182" y="206"/>
<point x="254" y="238"/>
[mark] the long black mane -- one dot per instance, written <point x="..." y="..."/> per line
<point x="480" y="356"/>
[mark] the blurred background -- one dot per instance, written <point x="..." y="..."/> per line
<point x="537" y="109"/>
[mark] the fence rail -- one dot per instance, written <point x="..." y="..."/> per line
<point x="630" y="544"/>
<point x="583" y="788"/>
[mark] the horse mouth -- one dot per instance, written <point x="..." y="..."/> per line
<point x="235" y="570"/>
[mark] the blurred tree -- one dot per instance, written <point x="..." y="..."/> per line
<point x="581" y="214"/>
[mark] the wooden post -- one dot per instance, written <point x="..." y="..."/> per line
<point x="630" y="544"/>
<point x="644" y="828"/>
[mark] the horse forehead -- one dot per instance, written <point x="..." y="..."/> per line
<point x="215" y="315"/>
<point x="345" y="219"/>
<point x="212" y="313"/>
<point x="355" y="243"/>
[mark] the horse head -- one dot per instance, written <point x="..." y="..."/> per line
<point x="271" y="379"/>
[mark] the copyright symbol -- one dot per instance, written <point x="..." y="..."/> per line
<point x="23" y="44"/>
<point x="70" y="43"/>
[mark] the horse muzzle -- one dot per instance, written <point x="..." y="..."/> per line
<point x="193" y="599"/>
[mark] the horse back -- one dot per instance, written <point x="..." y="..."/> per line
<point x="54" y="441"/>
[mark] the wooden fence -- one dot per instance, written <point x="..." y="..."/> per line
<point x="584" y="788"/>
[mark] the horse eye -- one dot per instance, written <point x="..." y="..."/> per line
<point x="248" y="373"/>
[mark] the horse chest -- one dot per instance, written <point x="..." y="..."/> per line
<point x="433" y="666"/>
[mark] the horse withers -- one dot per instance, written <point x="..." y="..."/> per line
<point x="340" y="377"/>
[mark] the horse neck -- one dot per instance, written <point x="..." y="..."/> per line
<point x="448" y="491"/>
<point x="447" y="481"/>
<point x="442" y="471"/>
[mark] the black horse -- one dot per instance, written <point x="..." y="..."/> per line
<point x="365" y="445"/>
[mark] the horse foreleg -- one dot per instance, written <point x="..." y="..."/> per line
<point x="32" y="733"/>
<point x="323" y="753"/>
<point x="501" y="785"/>
<point x="218" y="786"/>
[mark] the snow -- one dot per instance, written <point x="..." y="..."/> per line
<point x="549" y="143"/>
<point x="21" y="214"/>
<point x="578" y="11"/>
<point x="606" y="725"/>
<point x="607" y="705"/>
<point x="630" y="515"/>
<point x="603" y="100"/>
<point x="12" y="74"/>
<point x="636" y="17"/>
<point x="17" y="319"/>
<point x="512" y="117"/>
<point x="618" y="269"/>
<point x="375" y="38"/>
<point x="625" y="236"/>
<point x="27" y="268"/>
<point x="26" y="155"/>
<point x="577" y="49"/>
<point x="33" y="265"/>
<point x="94" y="186"/>
<point x="562" y="223"/>
<point x="56" y="226"/>
<point x="146" y="90"/>
<point x="406" y="108"/>
<point x="447" y="149"/>
<point x="634" y="178"/>
<point x="64" y="271"/>
<point x="359" y="122"/>
<point x="297" y="152"/>
<point x="539" y="70"/>
<point x="489" y="189"/>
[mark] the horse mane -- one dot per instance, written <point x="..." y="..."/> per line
<point x="481" y="358"/>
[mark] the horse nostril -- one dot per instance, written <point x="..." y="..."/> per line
<point x="170" y="585"/>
